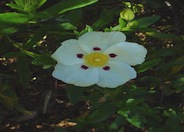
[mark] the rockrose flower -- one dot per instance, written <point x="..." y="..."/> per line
<point x="102" y="58"/>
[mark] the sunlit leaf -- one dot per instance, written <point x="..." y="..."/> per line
<point x="67" y="26"/>
<point x="26" y="5"/>
<point x="40" y="3"/>
<point x="18" y="18"/>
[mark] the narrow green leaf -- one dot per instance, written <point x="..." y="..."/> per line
<point x="20" y="3"/>
<point x="166" y="52"/>
<point x="14" y="18"/>
<point x="102" y="113"/>
<point x="65" y="6"/>
<point x="41" y="2"/>
<point x="157" y="34"/>
<point x="147" y="21"/>
<point x="144" y="21"/>
<point x="170" y="65"/>
<point x="24" y="70"/>
<point x="14" y="6"/>
<point x="31" y="54"/>
<point x="148" y="64"/>
<point x="67" y="26"/>
<point x="26" y="5"/>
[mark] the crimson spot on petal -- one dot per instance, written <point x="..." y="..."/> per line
<point x="106" y="68"/>
<point x="112" y="55"/>
<point x="96" y="48"/>
<point x="80" y="55"/>
<point x="84" y="67"/>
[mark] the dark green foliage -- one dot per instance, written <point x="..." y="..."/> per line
<point x="31" y="30"/>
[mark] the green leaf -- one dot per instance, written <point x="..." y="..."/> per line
<point x="24" y="70"/>
<point x="20" y="3"/>
<point x="87" y="29"/>
<point x="67" y="26"/>
<point x="8" y="97"/>
<point x="4" y="29"/>
<point x="166" y="52"/>
<point x="14" y="6"/>
<point x="170" y="65"/>
<point x="148" y="64"/>
<point x="134" y="120"/>
<point x="173" y="120"/>
<point x="40" y="33"/>
<point x="157" y="34"/>
<point x="13" y="54"/>
<point x="74" y="93"/>
<point x="41" y="2"/>
<point x="105" y="18"/>
<point x="147" y="21"/>
<point x="44" y="60"/>
<point x="29" y="53"/>
<point x="124" y="112"/>
<point x="65" y="6"/>
<point x="119" y="121"/>
<point x="102" y="113"/>
<point x="14" y="18"/>
<point x="75" y="16"/>
<point x="179" y="85"/>
<point x="122" y="22"/>
<point x="143" y="22"/>
<point x="26" y="5"/>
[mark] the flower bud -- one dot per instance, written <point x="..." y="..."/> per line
<point x="127" y="14"/>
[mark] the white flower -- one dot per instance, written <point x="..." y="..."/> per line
<point x="102" y="58"/>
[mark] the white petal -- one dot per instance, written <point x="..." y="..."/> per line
<point x="67" y="53"/>
<point x="127" y="52"/>
<point x="102" y="40"/>
<point x="75" y="75"/>
<point x="118" y="74"/>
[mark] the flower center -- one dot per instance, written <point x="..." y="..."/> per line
<point x="96" y="59"/>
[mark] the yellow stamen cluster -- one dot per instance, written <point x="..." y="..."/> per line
<point x="96" y="59"/>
